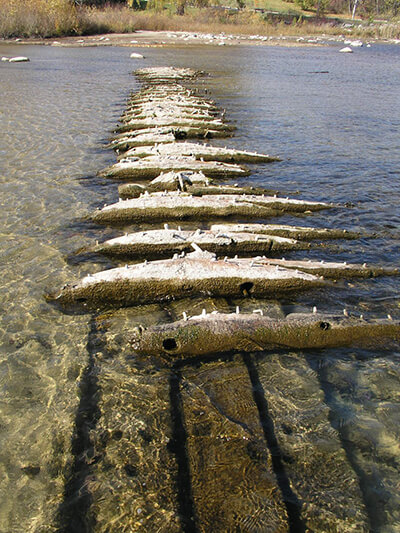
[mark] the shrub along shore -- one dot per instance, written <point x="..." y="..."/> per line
<point x="60" y="18"/>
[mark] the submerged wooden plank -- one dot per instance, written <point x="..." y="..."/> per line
<point x="132" y="481"/>
<point x="292" y="232"/>
<point x="218" y="333"/>
<point x="233" y="482"/>
<point x="294" y="410"/>
<point x="153" y="243"/>
<point x="195" y="274"/>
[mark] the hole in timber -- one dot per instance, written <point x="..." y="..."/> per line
<point x="169" y="344"/>
<point x="324" y="325"/>
<point x="246" y="287"/>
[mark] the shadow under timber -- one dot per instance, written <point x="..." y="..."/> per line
<point x="292" y="504"/>
<point x="74" y="514"/>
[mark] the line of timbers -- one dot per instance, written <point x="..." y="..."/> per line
<point x="176" y="178"/>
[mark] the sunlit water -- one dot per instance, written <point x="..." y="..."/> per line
<point x="138" y="446"/>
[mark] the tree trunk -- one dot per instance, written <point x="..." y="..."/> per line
<point x="354" y="9"/>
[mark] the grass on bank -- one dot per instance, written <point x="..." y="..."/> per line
<point x="56" y="18"/>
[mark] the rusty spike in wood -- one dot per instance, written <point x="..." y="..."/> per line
<point x="217" y="333"/>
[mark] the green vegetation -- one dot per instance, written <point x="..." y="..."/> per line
<point x="53" y="18"/>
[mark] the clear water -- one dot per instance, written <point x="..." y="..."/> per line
<point x="93" y="439"/>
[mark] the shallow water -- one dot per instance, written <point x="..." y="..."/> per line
<point x="223" y="445"/>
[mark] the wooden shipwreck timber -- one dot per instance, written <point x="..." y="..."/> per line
<point x="166" y="134"/>
<point x="200" y="151"/>
<point x="184" y="276"/>
<point x="238" y="439"/>
<point x="157" y="120"/>
<point x="201" y="273"/>
<point x="151" y="167"/>
<point x="194" y="183"/>
<point x="176" y="205"/>
<point x="217" y="333"/>
<point x="158" y="242"/>
<point x="291" y="232"/>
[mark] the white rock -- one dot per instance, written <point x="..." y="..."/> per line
<point x="5" y="58"/>
<point x="18" y="59"/>
<point x="134" y="55"/>
<point x="346" y="49"/>
<point x="356" y="44"/>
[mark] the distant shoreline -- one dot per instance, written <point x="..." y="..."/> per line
<point x="146" y="38"/>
